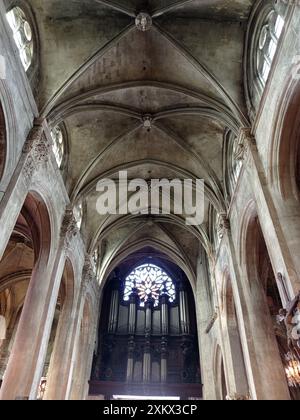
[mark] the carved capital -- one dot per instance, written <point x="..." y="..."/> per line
<point x="35" y="136"/>
<point x="37" y="146"/>
<point x="223" y="225"/>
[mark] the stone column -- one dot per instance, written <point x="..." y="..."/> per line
<point x="266" y="377"/>
<point x="35" y="153"/>
<point x="234" y="365"/>
<point x="282" y="252"/>
<point x="60" y="363"/>
<point x="206" y="316"/>
<point x="75" y="383"/>
<point x="26" y="361"/>
<point x="91" y="346"/>
<point x="82" y="356"/>
<point x="184" y="310"/>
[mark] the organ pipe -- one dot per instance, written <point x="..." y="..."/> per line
<point x="184" y="310"/>
<point x="114" y="309"/>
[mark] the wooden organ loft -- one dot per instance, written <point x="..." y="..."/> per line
<point x="148" y="343"/>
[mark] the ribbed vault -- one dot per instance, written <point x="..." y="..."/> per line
<point x="184" y="74"/>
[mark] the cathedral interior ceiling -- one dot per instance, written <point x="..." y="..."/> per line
<point x="101" y="75"/>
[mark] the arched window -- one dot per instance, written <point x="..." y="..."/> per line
<point x="78" y="214"/>
<point x="267" y="44"/>
<point x="58" y="145"/>
<point x="23" y="35"/>
<point x="265" y="28"/>
<point x="150" y="281"/>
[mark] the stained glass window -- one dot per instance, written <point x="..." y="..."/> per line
<point x="22" y="34"/>
<point x="150" y="281"/>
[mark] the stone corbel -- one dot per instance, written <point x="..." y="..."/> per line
<point x="243" y="144"/>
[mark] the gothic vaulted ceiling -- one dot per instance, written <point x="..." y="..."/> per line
<point x="101" y="76"/>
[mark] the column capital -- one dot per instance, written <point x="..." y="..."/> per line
<point x="69" y="227"/>
<point x="223" y="225"/>
<point x="34" y="136"/>
<point x="37" y="143"/>
<point x="244" y="141"/>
